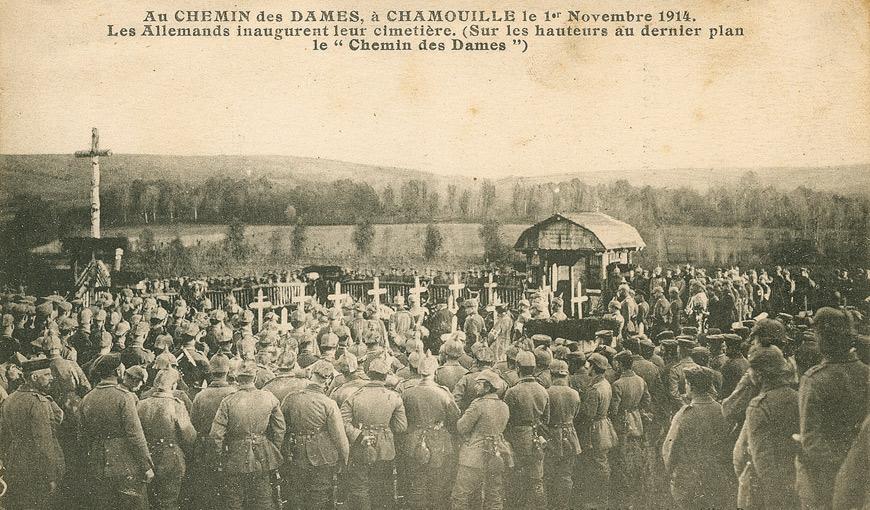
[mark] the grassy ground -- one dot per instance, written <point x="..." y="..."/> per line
<point x="404" y="242"/>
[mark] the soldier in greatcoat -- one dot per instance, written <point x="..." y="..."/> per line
<point x="695" y="449"/>
<point x="529" y="406"/>
<point x="597" y="436"/>
<point x="135" y="353"/>
<point x="473" y="326"/>
<point x="206" y="485"/>
<point x="676" y="378"/>
<point x="315" y="445"/>
<point x="118" y="461"/>
<point x="734" y="366"/>
<point x="563" y="446"/>
<point x="630" y="402"/>
<point x="350" y="379"/>
<point x="29" y="446"/>
<point x="451" y="371"/>
<point x="765" y="453"/>
<point x="833" y="399"/>
<point x="485" y="455"/>
<point x="464" y="390"/>
<point x="427" y="447"/>
<point x="372" y="416"/>
<point x="290" y="377"/>
<point x="170" y="437"/>
<point x="249" y="429"/>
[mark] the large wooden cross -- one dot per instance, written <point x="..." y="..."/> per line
<point x="376" y="292"/>
<point x="417" y="290"/>
<point x="95" y="154"/>
<point x="259" y="305"/>
<point x="490" y="289"/>
<point x="337" y="298"/>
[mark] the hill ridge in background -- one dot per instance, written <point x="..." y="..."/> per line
<point x="64" y="177"/>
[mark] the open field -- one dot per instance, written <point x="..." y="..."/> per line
<point x="404" y="242"/>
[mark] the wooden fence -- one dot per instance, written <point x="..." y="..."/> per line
<point x="279" y="294"/>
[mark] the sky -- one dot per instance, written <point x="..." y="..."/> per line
<point x="792" y="92"/>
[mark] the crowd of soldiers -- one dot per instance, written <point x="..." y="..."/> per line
<point x="139" y="400"/>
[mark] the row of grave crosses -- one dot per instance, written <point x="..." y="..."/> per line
<point x="337" y="298"/>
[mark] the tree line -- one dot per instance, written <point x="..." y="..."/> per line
<point x="746" y="203"/>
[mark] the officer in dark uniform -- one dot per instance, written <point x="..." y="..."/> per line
<point x="119" y="464"/>
<point x="315" y="444"/>
<point x="249" y="428"/>
<point x="29" y="446"/>
<point x="529" y="406"/>
<point x="427" y="447"/>
<point x="440" y="323"/>
<point x="372" y="416"/>
<point x="192" y="364"/>
<point x="170" y="437"/>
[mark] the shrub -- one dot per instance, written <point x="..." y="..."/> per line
<point x="433" y="243"/>
<point x="364" y="236"/>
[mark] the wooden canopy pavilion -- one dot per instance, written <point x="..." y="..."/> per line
<point x="568" y="251"/>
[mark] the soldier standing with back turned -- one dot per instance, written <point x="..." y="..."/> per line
<point x="529" y="406"/>
<point x="485" y="456"/>
<point x="119" y="465"/>
<point x="170" y="436"/>
<point x="206" y="475"/>
<point x="249" y="429"/>
<point x="372" y="416"/>
<point x="315" y="444"/>
<point x="427" y="448"/>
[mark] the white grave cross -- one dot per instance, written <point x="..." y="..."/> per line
<point x="578" y="299"/>
<point x="284" y="326"/>
<point x="259" y="305"/>
<point x="417" y="289"/>
<point x="376" y="292"/>
<point x="337" y="298"/>
<point x="490" y="289"/>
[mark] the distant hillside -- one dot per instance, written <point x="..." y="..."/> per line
<point x="65" y="178"/>
<point x="847" y="180"/>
